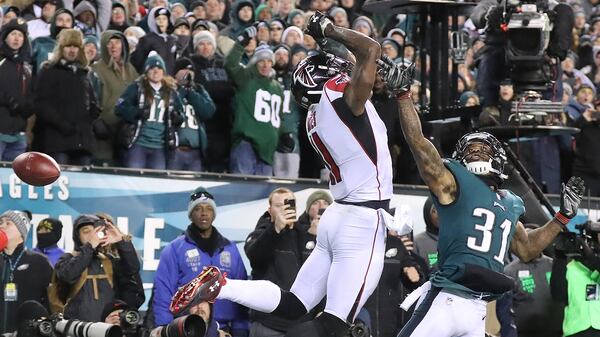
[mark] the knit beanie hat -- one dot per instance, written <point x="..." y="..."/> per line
<point x="154" y="60"/>
<point x="262" y="52"/>
<point x="396" y="31"/>
<point x="318" y="195"/>
<point x="54" y="226"/>
<point x="15" y="24"/>
<point x="137" y="31"/>
<point x="204" y="36"/>
<point x="334" y="10"/>
<point x="290" y="29"/>
<point x="195" y="4"/>
<point x="19" y="219"/>
<point x="183" y="63"/>
<point x="80" y="221"/>
<point x="198" y="197"/>
<point x="181" y="22"/>
<point x="292" y="15"/>
<point x="91" y="39"/>
<point x="464" y="97"/>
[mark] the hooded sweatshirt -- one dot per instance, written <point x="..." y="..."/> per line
<point x="237" y="26"/>
<point x="114" y="79"/>
<point x="163" y="44"/>
<point x="101" y="9"/>
<point x="15" y="72"/>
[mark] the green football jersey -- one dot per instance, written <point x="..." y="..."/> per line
<point x="475" y="229"/>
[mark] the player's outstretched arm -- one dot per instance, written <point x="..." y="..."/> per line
<point x="366" y="51"/>
<point x="398" y="78"/>
<point x="528" y="246"/>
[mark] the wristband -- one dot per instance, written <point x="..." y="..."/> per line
<point x="561" y="218"/>
<point x="404" y="95"/>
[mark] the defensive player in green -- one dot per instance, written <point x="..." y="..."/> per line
<point x="479" y="222"/>
<point x="258" y="103"/>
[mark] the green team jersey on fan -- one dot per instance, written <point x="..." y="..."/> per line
<point x="476" y="229"/>
<point x="258" y="105"/>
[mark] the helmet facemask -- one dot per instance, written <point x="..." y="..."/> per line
<point x="490" y="148"/>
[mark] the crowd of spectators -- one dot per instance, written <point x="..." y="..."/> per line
<point x="205" y="85"/>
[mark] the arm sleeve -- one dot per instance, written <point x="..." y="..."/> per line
<point x="129" y="262"/>
<point x="127" y="105"/>
<point x="561" y="37"/>
<point x="139" y="55"/>
<point x="558" y="280"/>
<point x="204" y="107"/>
<point x="240" y="325"/>
<point x="165" y="285"/>
<point x="235" y="70"/>
<point x="69" y="268"/>
<point x="260" y="243"/>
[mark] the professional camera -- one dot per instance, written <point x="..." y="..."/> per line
<point x="184" y="326"/>
<point x="131" y="323"/>
<point x="569" y="243"/>
<point x="528" y="35"/>
<point x="55" y="326"/>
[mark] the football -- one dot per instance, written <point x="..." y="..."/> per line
<point x="35" y="168"/>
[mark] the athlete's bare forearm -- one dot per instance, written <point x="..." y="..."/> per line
<point x="529" y="245"/>
<point x="428" y="159"/>
<point x="362" y="46"/>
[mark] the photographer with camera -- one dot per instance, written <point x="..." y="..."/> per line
<point x="17" y="265"/>
<point x="91" y="276"/>
<point x="198" y="107"/>
<point x="494" y="16"/>
<point x="587" y="153"/>
<point x="308" y="221"/>
<point x="276" y="252"/>
<point x="575" y="280"/>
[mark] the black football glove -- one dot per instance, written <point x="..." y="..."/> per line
<point x="398" y="77"/>
<point x="247" y="35"/>
<point x="570" y="196"/>
<point x="316" y="25"/>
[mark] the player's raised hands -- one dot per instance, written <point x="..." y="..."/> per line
<point x="316" y="25"/>
<point x="398" y="77"/>
<point x="571" y="194"/>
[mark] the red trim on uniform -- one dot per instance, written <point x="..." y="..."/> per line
<point x="335" y="84"/>
<point x="353" y="135"/>
<point x="333" y="168"/>
<point x="352" y="313"/>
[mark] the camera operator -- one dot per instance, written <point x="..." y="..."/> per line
<point x="88" y="278"/>
<point x="275" y="252"/>
<point x="576" y="282"/>
<point x="198" y="107"/>
<point x="587" y="152"/>
<point x="17" y="266"/>
<point x="488" y="14"/>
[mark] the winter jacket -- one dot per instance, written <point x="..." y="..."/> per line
<point x="142" y="122"/>
<point x="113" y="83"/>
<point x="211" y="74"/>
<point x="426" y="247"/>
<point x="181" y="261"/>
<point x="163" y="44"/>
<point x="28" y="287"/>
<point x="53" y="253"/>
<point x="587" y="153"/>
<point x="84" y="306"/>
<point x="198" y="107"/>
<point x="15" y="88"/>
<point x="275" y="257"/>
<point x="66" y="106"/>
<point x="236" y="26"/>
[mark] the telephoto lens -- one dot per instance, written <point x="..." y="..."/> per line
<point x="184" y="326"/>
<point x="74" y="328"/>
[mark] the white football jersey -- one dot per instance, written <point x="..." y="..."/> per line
<point x="354" y="149"/>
